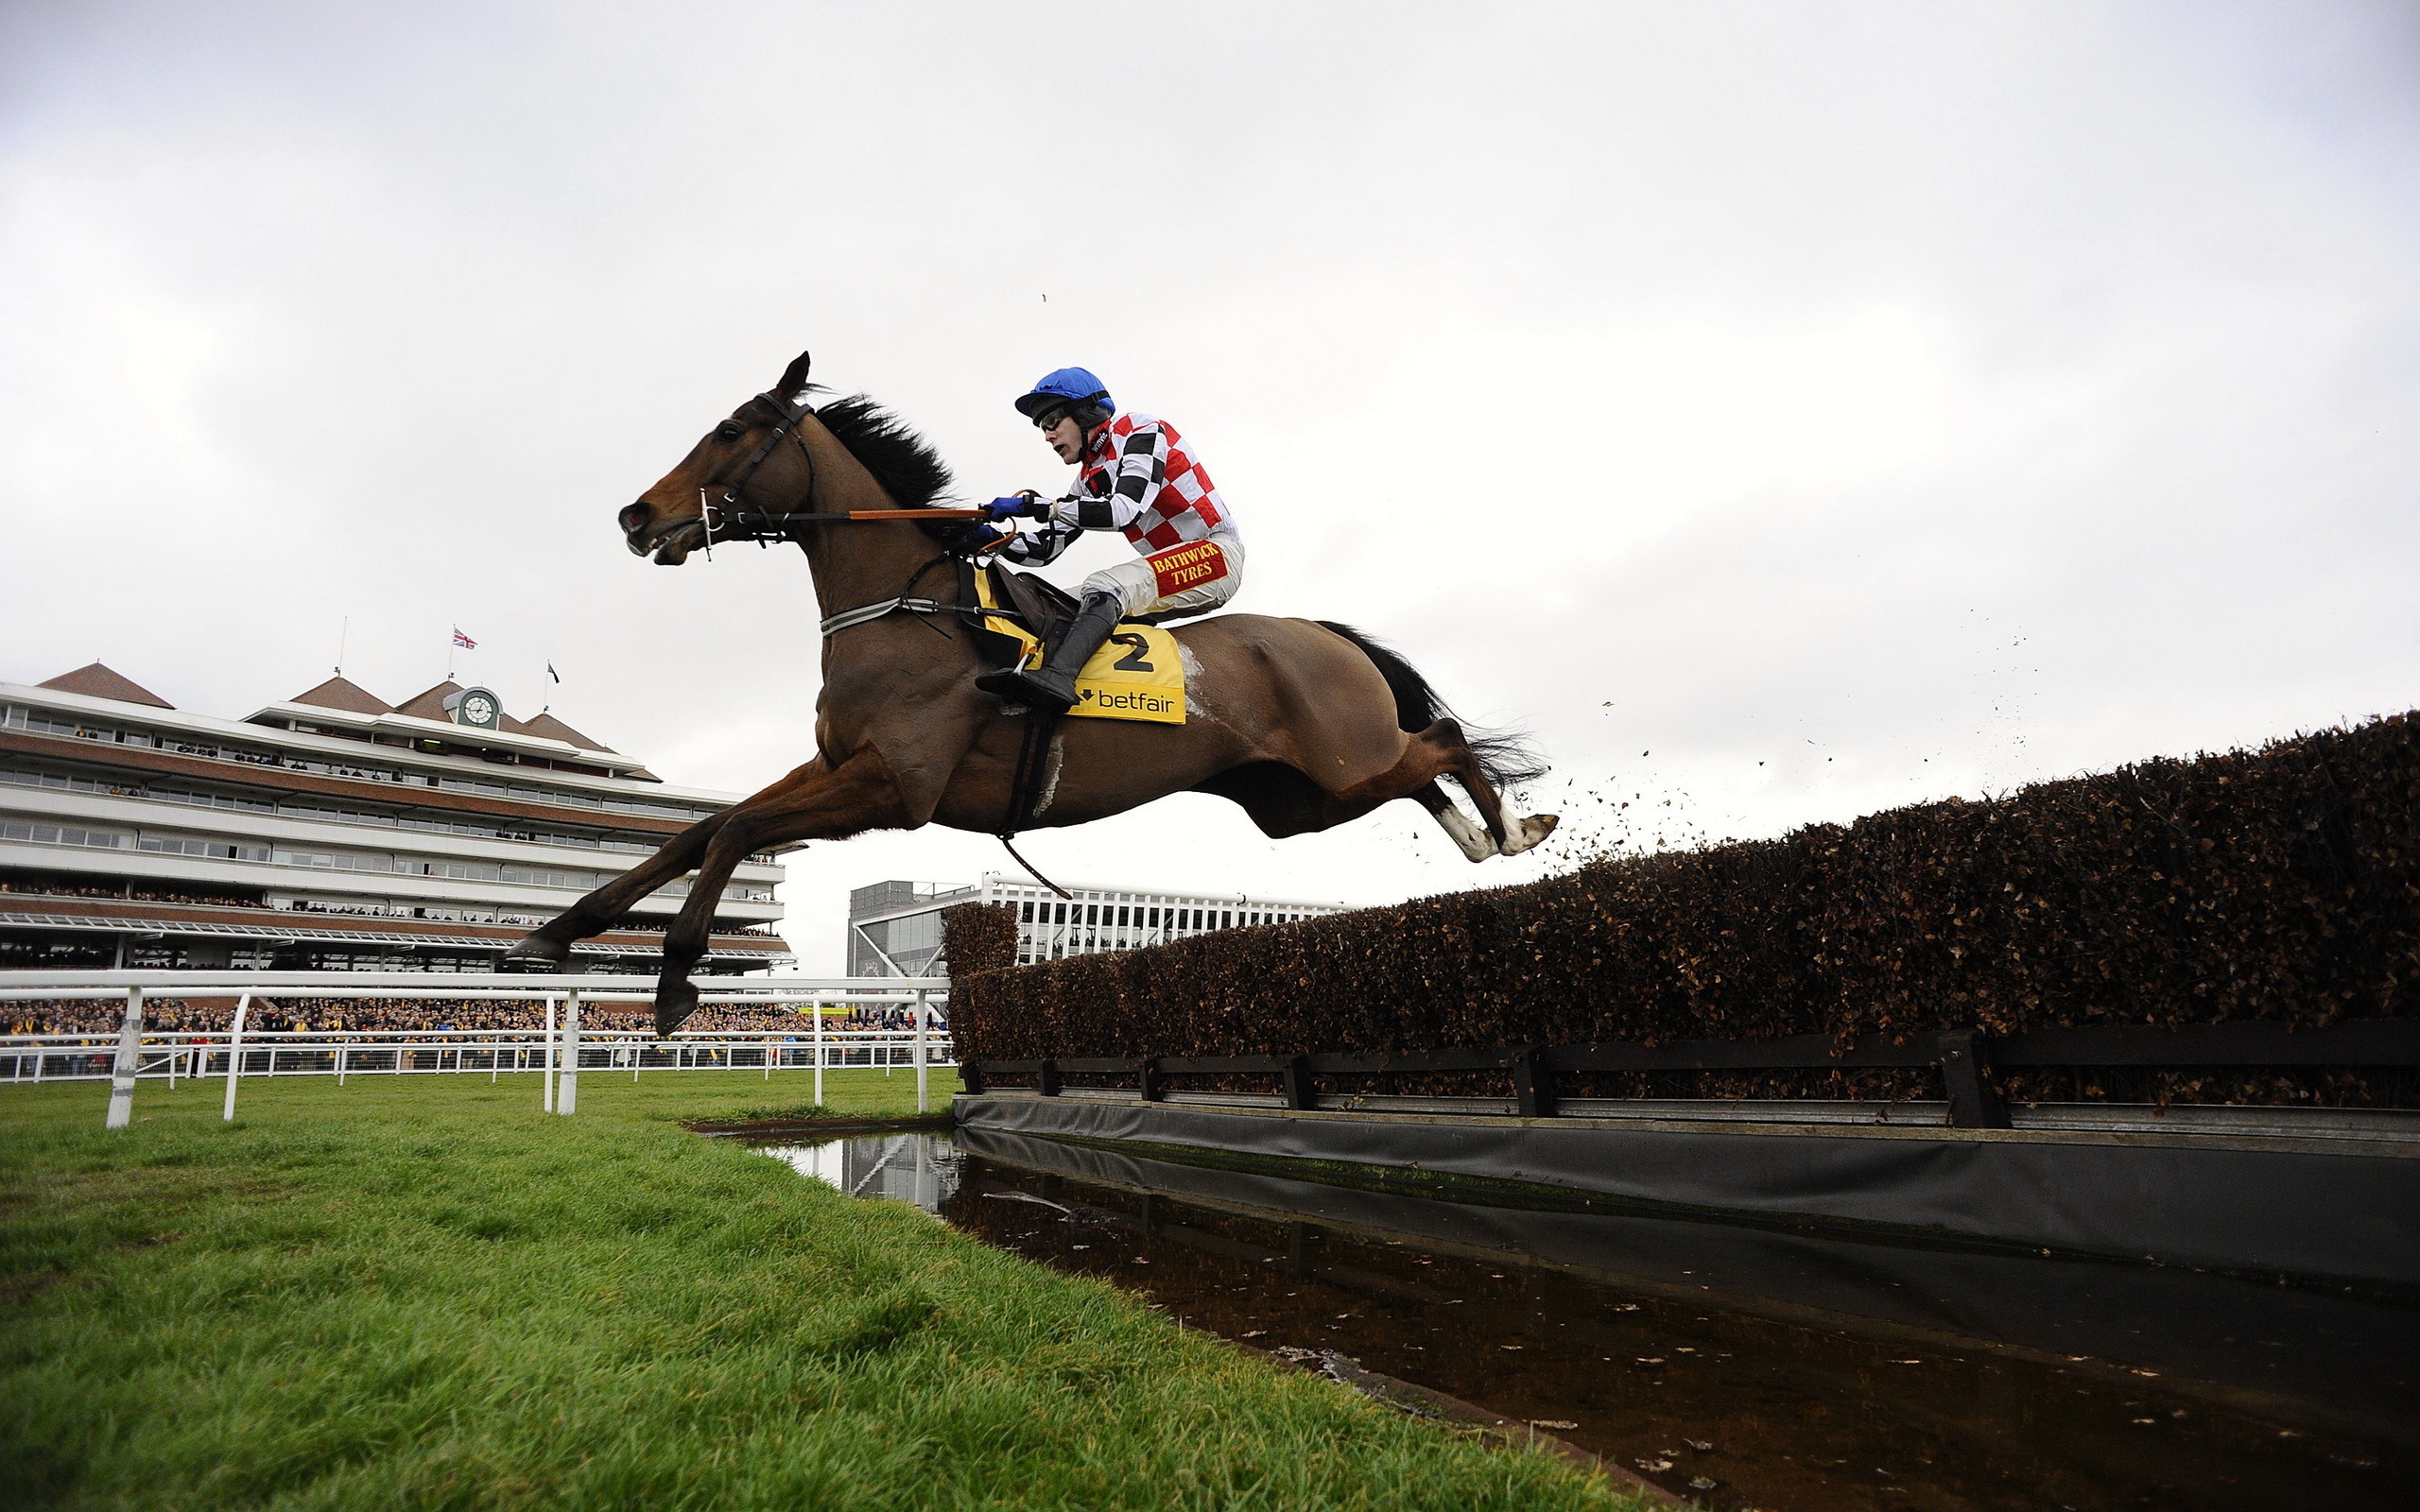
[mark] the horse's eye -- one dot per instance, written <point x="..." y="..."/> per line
<point x="730" y="430"/>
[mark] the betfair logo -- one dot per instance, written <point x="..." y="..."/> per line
<point x="1137" y="673"/>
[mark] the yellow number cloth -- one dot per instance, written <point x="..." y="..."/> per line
<point x="1137" y="673"/>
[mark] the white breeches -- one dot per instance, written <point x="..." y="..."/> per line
<point x="1137" y="583"/>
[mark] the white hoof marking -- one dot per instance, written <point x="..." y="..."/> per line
<point x="1476" y="843"/>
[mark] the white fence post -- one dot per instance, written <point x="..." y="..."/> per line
<point x="567" y="1089"/>
<point x="130" y="1057"/>
<point x="235" y="1055"/>
<point x="330" y="1051"/>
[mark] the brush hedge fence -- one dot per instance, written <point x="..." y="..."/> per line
<point x="2280" y="885"/>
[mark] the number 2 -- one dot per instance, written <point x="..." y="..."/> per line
<point x="1132" y="660"/>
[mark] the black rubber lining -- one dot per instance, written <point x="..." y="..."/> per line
<point x="2319" y="1211"/>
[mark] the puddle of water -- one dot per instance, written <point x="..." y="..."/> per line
<point x="920" y="1168"/>
<point x="1738" y="1368"/>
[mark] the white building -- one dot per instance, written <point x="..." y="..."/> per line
<point x="895" y="927"/>
<point x="330" y="831"/>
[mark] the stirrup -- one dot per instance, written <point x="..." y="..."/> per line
<point x="1013" y="686"/>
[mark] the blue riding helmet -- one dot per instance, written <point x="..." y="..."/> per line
<point x="1068" y="385"/>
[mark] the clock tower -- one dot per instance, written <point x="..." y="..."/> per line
<point x="478" y="708"/>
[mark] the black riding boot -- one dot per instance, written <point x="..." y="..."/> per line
<point x="1052" y="685"/>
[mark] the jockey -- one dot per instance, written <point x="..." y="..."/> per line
<point x="1136" y="474"/>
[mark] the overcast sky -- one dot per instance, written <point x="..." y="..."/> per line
<point x="1783" y="412"/>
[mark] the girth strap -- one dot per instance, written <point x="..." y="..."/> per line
<point x="868" y="614"/>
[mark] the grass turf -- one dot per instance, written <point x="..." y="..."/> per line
<point x="424" y="1291"/>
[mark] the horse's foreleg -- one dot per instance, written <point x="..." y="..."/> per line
<point x="815" y="802"/>
<point x="550" y="943"/>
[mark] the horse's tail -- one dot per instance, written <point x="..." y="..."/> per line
<point x="1504" y="755"/>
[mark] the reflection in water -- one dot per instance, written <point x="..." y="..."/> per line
<point x="1738" y="1369"/>
<point x="918" y="1168"/>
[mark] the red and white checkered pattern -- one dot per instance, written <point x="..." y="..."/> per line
<point x="1139" y="477"/>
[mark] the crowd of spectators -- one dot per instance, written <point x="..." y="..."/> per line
<point x="100" y="1016"/>
<point x="73" y="888"/>
<point x="310" y="905"/>
<point x="881" y="1016"/>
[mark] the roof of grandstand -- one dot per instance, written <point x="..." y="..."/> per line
<point x="94" y="680"/>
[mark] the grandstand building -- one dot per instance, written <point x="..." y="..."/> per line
<point x="330" y="831"/>
<point x="895" y="927"/>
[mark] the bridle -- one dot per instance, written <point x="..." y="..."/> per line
<point x="764" y="527"/>
<point x="756" y="524"/>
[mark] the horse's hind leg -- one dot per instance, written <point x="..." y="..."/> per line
<point x="816" y="803"/>
<point x="1476" y="843"/>
<point x="1509" y="834"/>
<point x="1283" y="800"/>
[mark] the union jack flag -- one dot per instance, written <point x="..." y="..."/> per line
<point x="465" y="641"/>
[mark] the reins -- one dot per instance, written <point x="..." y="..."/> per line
<point x="747" y="524"/>
<point x="763" y="527"/>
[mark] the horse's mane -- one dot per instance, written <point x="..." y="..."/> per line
<point x="902" y="461"/>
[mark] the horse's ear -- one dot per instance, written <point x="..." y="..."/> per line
<point x="793" y="377"/>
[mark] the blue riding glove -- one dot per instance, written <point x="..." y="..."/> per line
<point x="1009" y="506"/>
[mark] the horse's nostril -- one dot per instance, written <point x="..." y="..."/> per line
<point x="636" y="516"/>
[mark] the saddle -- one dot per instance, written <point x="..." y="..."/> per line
<point x="1020" y="618"/>
<point x="1041" y="606"/>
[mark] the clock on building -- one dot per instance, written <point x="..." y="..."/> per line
<point x="479" y="707"/>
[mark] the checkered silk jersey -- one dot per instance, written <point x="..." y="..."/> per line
<point x="1137" y="475"/>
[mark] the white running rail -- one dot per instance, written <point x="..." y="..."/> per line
<point x="561" y="1051"/>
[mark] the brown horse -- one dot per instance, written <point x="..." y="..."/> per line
<point x="1306" y="725"/>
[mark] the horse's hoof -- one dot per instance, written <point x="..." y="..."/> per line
<point x="674" y="1003"/>
<point x="1519" y="837"/>
<point x="539" y="951"/>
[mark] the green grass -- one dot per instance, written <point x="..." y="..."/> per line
<point x="423" y="1292"/>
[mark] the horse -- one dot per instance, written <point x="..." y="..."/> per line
<point x="1305" y="724"/>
